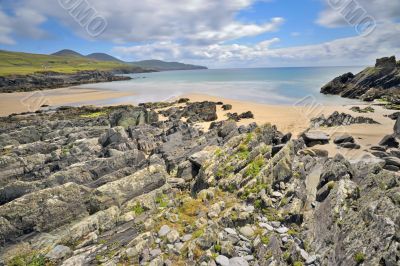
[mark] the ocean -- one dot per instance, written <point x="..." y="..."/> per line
<point x="285" y="86"/>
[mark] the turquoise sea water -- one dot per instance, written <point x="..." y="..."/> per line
<point x="262" y="85"/>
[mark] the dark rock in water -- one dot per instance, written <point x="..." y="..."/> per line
<point x="340" y="119"/>
<point x="389" y="141"/>
<point x="344" y="139"/>
<point x="315" y="138"/>
<point x="350" y="145"/>
<point x="227" y="107"/>
<point x="381" y="81"/>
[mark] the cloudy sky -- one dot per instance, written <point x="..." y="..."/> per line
<point x="216" y="33"/>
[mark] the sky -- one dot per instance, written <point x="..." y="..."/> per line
<point x="215" y="33"/>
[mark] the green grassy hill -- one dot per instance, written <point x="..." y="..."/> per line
<point x="12" y="63"/>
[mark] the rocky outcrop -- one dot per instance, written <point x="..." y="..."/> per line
<point x="379" y="82"/>
<point x="114" y="185"/>
<point x="52" y="80"/>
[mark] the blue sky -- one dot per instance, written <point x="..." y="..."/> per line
<point x="217" y="33"/>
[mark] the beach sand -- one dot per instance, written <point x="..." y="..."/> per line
<point x="32" y="101"/>
<point x="296" y="119"/>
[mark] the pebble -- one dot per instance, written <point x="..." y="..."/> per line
<point x="276" y="224"/>
<point x="230" y="231"/>
<point x="164" y="230"/>
<point x="155" y="252"/>
<point x="186" y="238"/>
<point x="282" y="230"/>
<point x="266" y="226"/>
<point x="247" y="231"/>
<point x="172" y="236"/>
<point x="238" y="261"/>
<point x="222" y="260"/>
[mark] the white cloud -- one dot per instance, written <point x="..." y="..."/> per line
<point x="346" y="51"/>
<point x="380" y="10"/>
<point x="24" y="22"/>
<point x="193" y="21"/>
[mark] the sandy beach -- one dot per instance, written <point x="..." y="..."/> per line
<point x="296" y="119"/>
<point x="19" y="102"/>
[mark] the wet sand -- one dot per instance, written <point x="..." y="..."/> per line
<point x="19" y="102"/>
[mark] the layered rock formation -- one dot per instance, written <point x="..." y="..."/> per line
<point x="379" y="82"/>
<point x="51" y="80"/>
<point x="116" y="186"/>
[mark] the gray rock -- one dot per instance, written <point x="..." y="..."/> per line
<point x="238" y="261"/>
<point x="313" y="138"/>
<point x="392" y="161"/>
<point x="344" y="139"/>
<point x="222" y="260"/>
<point x="247" y="231"/>
<point x="172" y="236"/>
<point x="164" y="230"/>
<point x="59" y="252"/>
<point x="389" y="141"/>
<point x="230" y="231"/>
<point x="282" y="230"/>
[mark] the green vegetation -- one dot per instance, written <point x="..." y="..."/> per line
<point x="94" y="115"/>
<point x="265" y="240"/>
<point x="359" y="257"/>
<point x="217" y="248"/>
<point x="254" y="168"/>
<point x="331" y="185"/>
<point x="198" y="233"/>
<point x="138" y="209"/>
<point x="298" y="263"/>
<point x="12" y="63"/>
<point x="32" y="259"/>
<point x="162" y="200"/>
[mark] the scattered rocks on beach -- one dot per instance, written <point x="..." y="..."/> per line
<point x="340" y="119"/>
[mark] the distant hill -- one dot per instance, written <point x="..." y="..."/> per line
<point x="165" y="66"/>
<point x="104" y="57"/>
<point x="67" y="52"/>
<point x="14" y="63"/>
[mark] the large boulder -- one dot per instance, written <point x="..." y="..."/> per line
<point x="120" y="191"/>
<point x="132" y="116"/>
<point x="313" y="138"/>
<point x="42" y="211"/>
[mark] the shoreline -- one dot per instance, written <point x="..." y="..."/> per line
<point x="20" y="102"/>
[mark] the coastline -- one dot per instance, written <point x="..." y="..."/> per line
<point x="287" y="118"/>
